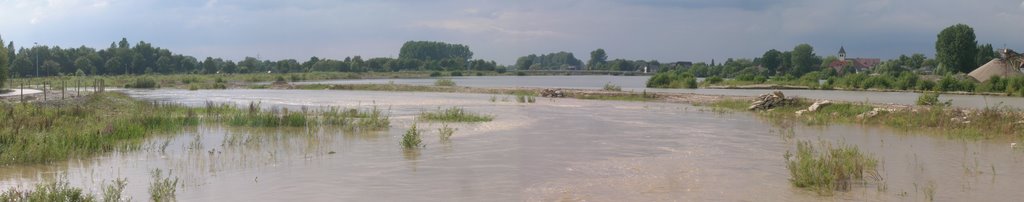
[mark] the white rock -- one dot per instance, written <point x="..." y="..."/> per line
<point x="817" y="105"/>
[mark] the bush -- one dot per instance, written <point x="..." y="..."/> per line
<point x="411" y="139"/>
<point x="713" y="80"/>
<point x="931" y="99"/>
<point x="456" y="73"/>
<point x="444" y="82"/>
<point x="435" y="74"/>
<point x="672" y="79"/>
<point x="501" y="70"/>
<point x="520" y="73"/>
<point x="142" y="82"/>
<point x="612" y="87"/>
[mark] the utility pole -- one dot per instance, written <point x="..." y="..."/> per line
<point x="36" y="44"/>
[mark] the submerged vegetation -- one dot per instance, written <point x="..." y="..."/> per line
<point x="829" y="168"/>
<point x="454" y="114"/>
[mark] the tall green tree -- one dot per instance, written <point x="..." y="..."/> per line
<point x="84" y="64"/>
<point x="771" y="60"/>
<point x="985" y="53"/>
<point x="802" y="59"/>
<point x="956" y="49"/>
<point x="598" y="58"/>
<point x="4" y="63"/>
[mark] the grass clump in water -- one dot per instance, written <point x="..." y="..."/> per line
<point x="114" y="191"/>
<point x="525" y="98"/>
<point x="830" y="169"/>
<point x="444" y="82"/>
<point x="445" y="132"/>
<point x="355" y="119"/>
<point x="162" y="188"/>
<point x="454" y="114"/>
<point x="412" y="139"/>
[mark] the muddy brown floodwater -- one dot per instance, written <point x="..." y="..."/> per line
<point x="554" y="149"/>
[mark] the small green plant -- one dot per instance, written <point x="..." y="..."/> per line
<point x="411" y="139"/>
<point x="454" y="114"/>
<point x="456" y="74"/>
<point x="612" y="87"/>
<point x="828" y="170"/>
<point x="162" y="188"/>
<point x="494" y="98"/>
<point x="930" y="99"/>
<point x="435" y="74"/>
<point x="114" y="191"/>
<point x="444" y="82"/>
<point x="445" y="132"/>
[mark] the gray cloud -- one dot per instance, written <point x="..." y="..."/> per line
<point x="503" y="30"/>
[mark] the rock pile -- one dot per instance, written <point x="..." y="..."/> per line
<point x="552" y="93"/>
<point x="771" y="100"/>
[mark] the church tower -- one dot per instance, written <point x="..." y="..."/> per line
<point x="842" y="54"/>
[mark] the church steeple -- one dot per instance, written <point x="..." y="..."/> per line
<point x="842" y="53"/>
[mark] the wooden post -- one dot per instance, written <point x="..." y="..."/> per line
<point x="23" y="92"/>
<point x="63" y="87"/>
<point x="44" y="91"/>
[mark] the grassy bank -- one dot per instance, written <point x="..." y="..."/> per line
<point x="992" y="122"/>
<point x="41" y="132"/>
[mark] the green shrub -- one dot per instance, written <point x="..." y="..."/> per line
<point x="444" y="82"/>
<point x="714" y="80"/>
<point x="456" y="74"/>
<point x="501" y="70"/>
<point x="411" y="139"/>
<point x="612" y="87"/>
<point x="435" y="74"/>
<point x="142" y="82"/>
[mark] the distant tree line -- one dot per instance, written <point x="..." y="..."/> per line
<point x="144" y="58"/>
<point x="598" y="61"/>
<point x="553" y="61"/>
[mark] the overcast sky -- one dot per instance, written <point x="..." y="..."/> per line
<point x="664" y="30"/>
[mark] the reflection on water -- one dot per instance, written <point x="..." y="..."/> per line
<point x="555" y="149"/>
<point x="638" y="83"/>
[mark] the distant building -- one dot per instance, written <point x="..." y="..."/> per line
<point x="859" y="64"/>
<point x="1009" y="65"/>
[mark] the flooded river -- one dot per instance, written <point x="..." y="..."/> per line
<point x="551" y="150"/>
<point x="638" y="83"/>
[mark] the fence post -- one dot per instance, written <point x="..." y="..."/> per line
<point x="63" y="87"/>
<point x="22" y="92"/>
<point x="44" y="91"/>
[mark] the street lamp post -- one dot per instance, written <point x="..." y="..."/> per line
<point x="36" y="44"/>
